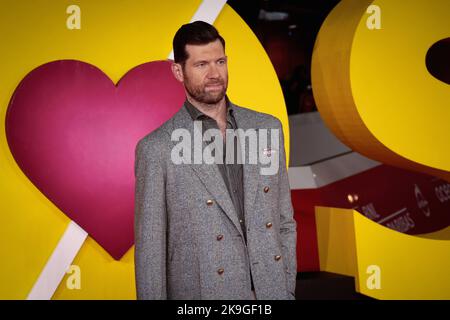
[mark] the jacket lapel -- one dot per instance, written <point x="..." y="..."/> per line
<point x="209" y="174"/>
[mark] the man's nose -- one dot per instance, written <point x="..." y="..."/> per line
<point x="213" y="71"/>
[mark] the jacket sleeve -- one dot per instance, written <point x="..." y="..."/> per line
<point x="288" y="225"/>
<point x="150" y="224"/>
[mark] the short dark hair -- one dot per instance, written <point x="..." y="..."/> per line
<point x="196" y="33"/>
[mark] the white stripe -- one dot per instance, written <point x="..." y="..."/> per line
<point x="59" y="262"/>
<point x="329" y="171"/>
<point x="391" y="216"/>
<point x="74" y="237"/>
<point x="208" y="12"/>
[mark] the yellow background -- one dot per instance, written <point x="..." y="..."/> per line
<point x="115" y="36"/>
<point x="411" y="266"/>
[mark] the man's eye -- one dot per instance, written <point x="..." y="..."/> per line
<point x="221" y="62"/>
<point x="201" y="65"/>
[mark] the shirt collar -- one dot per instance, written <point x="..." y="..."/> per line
<point x="196" y="114"/>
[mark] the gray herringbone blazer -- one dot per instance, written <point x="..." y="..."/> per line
<point x="189" y="244"/>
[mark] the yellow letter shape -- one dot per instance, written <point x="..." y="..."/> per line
<point x="373" y="89"/>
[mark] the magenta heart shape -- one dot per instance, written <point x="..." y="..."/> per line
<point x="73" y="132"/>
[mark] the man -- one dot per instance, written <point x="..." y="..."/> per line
<point x="220" y="230"/>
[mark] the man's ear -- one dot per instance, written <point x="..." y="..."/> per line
<point x="177" y="71"/>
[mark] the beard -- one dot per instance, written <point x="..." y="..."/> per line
<point x="201" y="94"/>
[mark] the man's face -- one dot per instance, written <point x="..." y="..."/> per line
<point x="205" y="72"/>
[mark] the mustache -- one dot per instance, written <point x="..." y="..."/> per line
<point x="214" y="82"/>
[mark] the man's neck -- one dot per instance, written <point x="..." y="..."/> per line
<point x="217" y="111"/>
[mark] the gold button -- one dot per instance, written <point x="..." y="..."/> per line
<point x="219" y="237"/>
<point x="277" y="258"/>
<point x="269" y="225"/>
<point x="220" y="271"/>
<point x="209" y="202"/>
<point x="266" y="189"/>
